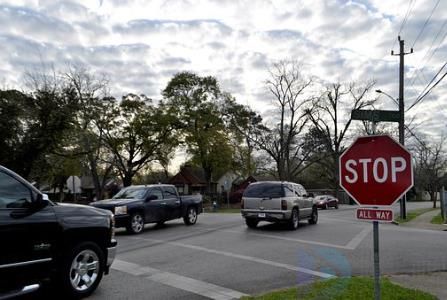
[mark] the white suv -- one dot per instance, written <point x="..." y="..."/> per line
<point x="277" y="201"/>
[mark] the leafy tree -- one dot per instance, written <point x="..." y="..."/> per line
<point x="34" y="124"/>
<point x="196" y="102"/>
<point x="137" y="133"/>
<point x="245" y="126"/>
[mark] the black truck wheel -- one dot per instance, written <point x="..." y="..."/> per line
<point x="81" y="270"/>
<point x="191" y="216"/>
<point x="314" y="216"/>
<point x="251" y="223"/>
<point x="136" y="223"/>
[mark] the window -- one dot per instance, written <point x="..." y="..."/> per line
<point x="300" y="191"/>
<point x="169" y="192"/>
<point x="131" y="193"/>
<point x="288" y="189"/>
<point x="156" y="192"/>
<point x="264" y="190"/>
<point x="13" y="193"/>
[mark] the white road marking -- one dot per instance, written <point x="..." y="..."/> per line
<point x="291" y="239"/>
<point x="355" y="242"/>
<point x="195" y="286"/>
<point x="244" y="257"/>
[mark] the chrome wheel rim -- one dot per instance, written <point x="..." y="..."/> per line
<point x="192" y="215"/>
<point x="84" y="270"/>
<point x="137" y="223"/>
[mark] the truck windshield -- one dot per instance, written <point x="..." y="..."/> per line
<point x="131" y="193"/>
<point x="264" y="190"/>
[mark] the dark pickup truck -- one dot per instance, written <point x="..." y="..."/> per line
<point x="137" y="205"/>
<point x="69" y="245"/>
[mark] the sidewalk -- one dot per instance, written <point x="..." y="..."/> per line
<point x="433" y="283"/>
<point x="423" y="221"/>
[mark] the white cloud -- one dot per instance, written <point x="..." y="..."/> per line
<point x="140" y="44"/>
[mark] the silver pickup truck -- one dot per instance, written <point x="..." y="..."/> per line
<point x="277" y="201"/>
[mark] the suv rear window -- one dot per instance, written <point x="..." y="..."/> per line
<point x="264" y="190"/>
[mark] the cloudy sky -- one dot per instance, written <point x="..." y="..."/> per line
<point x="139" y="44"/>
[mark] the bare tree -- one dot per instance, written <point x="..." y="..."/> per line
<point x="331" y="121"/>
<point x="431" y="165"/>
<point x="91" y="93"/>
<point x="282" y="141"/>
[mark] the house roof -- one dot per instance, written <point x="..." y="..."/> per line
<point x="189" y="175"/>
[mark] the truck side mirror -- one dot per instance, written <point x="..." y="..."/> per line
<point x="40" y="201"/>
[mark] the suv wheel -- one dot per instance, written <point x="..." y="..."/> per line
<point x="251" y="223"/>
<point x="82" y="270"/>
<point x="136" y="223"/>
<point x="191" y="216"/>
<point x="314" y="216"/>
<point x="294" y="220"/>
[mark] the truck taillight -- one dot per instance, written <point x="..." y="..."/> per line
<point x="242" y="203"/>
<point x="283" y="204"/>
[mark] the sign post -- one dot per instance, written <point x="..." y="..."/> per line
<point x="74" y="185"/>
<point x="376" y="171"/>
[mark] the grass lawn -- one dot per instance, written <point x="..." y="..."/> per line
<point x="413" y="214"/>
<point x="354" y="288"/>
<point x="437" y="219"/>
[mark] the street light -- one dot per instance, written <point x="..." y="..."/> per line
<point x="386" y="94"/>
<point x="400" y="103"/>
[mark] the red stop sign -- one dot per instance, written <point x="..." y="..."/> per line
<point x="376" y="170"/>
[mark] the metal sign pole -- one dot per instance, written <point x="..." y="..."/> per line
<point x="376" y="261"/>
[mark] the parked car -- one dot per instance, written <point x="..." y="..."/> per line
<point x="326" y="201"/>
<point x="72" y="245"/>
<point x="137" y="205"/>
<point x="276" y="201"/>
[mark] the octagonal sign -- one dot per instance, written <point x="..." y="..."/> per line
<point x="376" y="170"/>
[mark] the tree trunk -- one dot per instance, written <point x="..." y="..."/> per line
<point x="207" y="173"/>
<point x="95" y="178"/>
<point x="127" y="179"/>
<point x="433" y="197"/>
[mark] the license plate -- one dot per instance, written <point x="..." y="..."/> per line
<point x="261" y="215"/>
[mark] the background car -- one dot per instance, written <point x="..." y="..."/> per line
<point x="326" y="201"/>
<point x="137" y="205"/>
<point x="277" y="201"/>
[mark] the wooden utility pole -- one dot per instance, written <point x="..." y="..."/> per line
<point x="401" y="54"/>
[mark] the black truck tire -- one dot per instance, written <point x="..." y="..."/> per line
<point x="191" y="216"/>
<point x="80" y="270"/>
<point x="314" y="216"/>
<point x="251" y="222"/>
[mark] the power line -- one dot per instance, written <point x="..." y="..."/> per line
<point x="426" y="22"/>
<point x="404" y="21"/>
<point x="433" y="79"/>
<point x="419" y="99"/>
<point x="428" y="51"/>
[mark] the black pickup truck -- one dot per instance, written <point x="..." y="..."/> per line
<point x="137" y="205"/>
<point x="69" y="245"/>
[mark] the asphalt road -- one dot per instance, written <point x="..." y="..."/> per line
<point x="220" y="258"/>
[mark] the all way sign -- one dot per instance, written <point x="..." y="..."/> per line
<point x="371" y="214"/>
